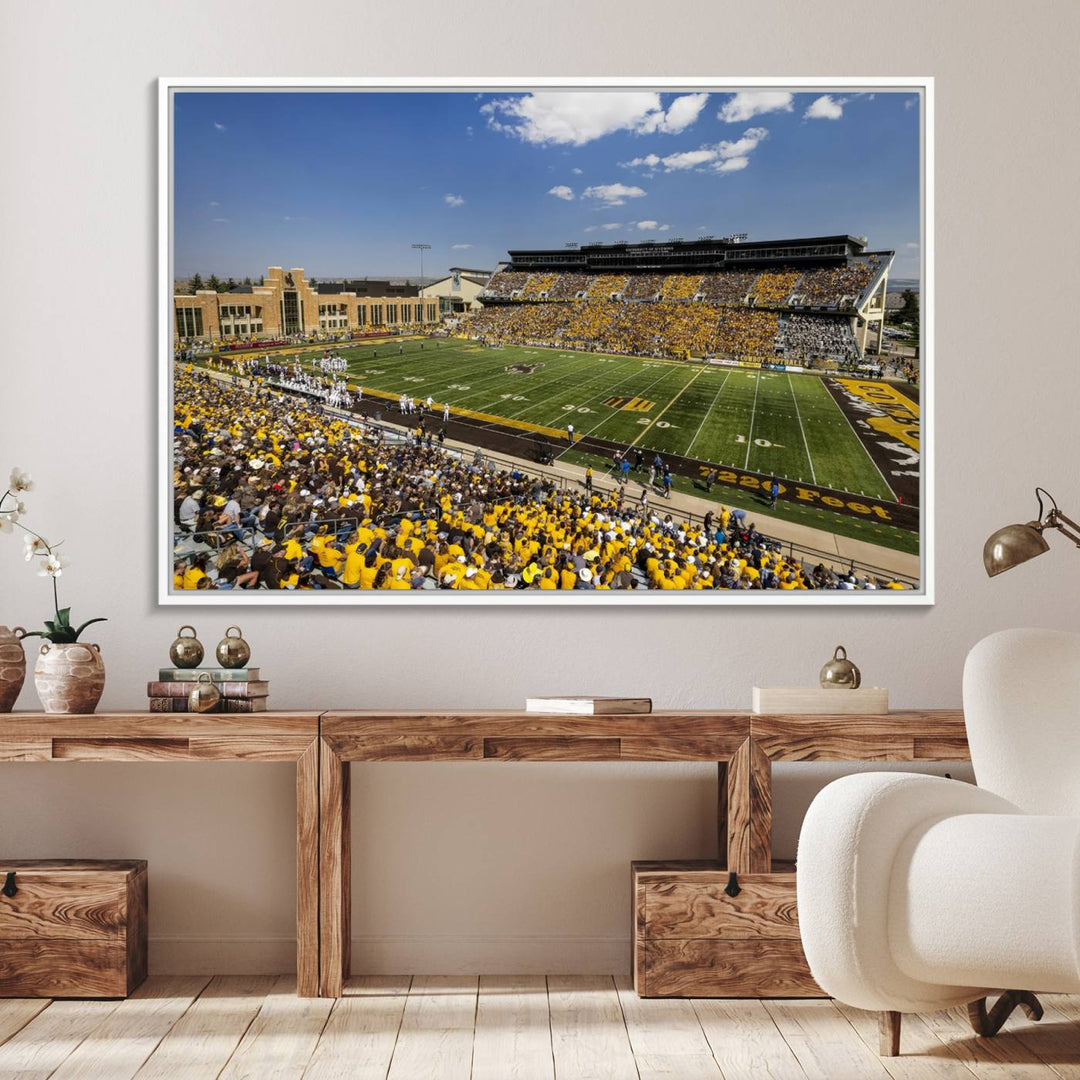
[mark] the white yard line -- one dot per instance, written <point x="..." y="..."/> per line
<point x="494" y="377"/>
<point x="659" y="378"/>
<point x="753" y="413"/>
<point x="645" y="430"/>
<point x="588" y="382"/>
<point x="858" y="439"/>
<point x="798" y="416"/>
<point x="708" y="413"/>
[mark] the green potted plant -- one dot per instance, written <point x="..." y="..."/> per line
<point x="69" y="674"/>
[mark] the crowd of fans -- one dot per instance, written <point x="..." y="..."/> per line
<point x="681" y="286"/>
<point x="605" y="286"/>
<point x="808" y="337"/>
<point x="643" y="287"/>
<point x="662" y="328"/>
<point x="505" y="283"/>
<point x="746" y="332"/>
<point x="270" y="494"/>
<point x="729" y="288"/>
<point x="539" y="284"/>
<point x="773" y="287"/>
<point x="833" y="287"/>
<point x="569" y="287"/>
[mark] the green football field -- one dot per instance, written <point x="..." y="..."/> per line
<point x="762" y="421"/>
<point x="757" y="421"/>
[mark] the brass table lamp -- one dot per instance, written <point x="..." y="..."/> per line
<point x="1015" y="544"/>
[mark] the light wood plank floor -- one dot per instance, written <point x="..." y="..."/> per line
<point x="524" y="1027"/>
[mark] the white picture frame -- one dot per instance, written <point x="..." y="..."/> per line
<point x="428" y="599"/>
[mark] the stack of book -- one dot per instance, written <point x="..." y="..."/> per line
<point x="241" y="689"/>
<point x="588" y="706"/>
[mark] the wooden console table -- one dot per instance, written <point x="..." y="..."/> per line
<point x="743" y="745"/>
<point x="323" y="745"/>
<point x="261" y="737"/>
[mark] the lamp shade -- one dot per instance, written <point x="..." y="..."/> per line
<point x="1012" y="545"/>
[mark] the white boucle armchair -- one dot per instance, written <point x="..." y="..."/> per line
<point x="917" y="893"/>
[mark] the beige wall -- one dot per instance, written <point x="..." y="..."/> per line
<point x="501" y="866"/>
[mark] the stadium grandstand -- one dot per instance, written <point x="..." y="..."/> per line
<point x="816" y="301"/>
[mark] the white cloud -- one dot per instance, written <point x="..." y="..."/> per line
<point x="747" y="104"/>
<point x="218" y="126"/>
<point x="649" y="161"/>
<point x="652" y="226"/>
<point x="751" y="139"/>
<point x="215" y="203"/>
<point x="910" y="245"/>
<point x="613" y="194"/>
<point x="561" y="191"/>
<point x="909" y="103"/>
<point x="722" y="157"/>
<point x="453" y="200"/>
<point x="461" y="247"/>
<point x="578" y="117"/>
<point x="825" y="107"/>
<point x="682" y="112"/>
<point x="689" y="159"/>
<point x="576" y="171"/>
<point x="220" y="220"/>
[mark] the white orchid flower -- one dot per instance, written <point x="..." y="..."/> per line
<point x="20" y="481"/>
<point x="7" y="520"/>
<point x="34" y="545"/>
<point x="53" y="566"/>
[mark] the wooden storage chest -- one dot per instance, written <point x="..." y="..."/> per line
<point x="693" y="939"/>
<point x="71" y="928"/>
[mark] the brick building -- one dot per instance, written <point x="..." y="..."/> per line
<point x="286" y="303"/>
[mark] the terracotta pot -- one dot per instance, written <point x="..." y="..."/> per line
<point x="12" y="666"/>
<point x="69" y="678"/>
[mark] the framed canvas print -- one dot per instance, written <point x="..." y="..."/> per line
<point x="557" y="342"/>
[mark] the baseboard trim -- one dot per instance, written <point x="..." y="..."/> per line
<point x="456" y="954"/>
<point x="431" y="954"/>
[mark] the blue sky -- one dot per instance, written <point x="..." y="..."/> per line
<point x="342" y="183"/>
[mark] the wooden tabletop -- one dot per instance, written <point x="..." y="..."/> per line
<point x="900" y="735"/>
<point x="509" y="735"/>
<point x="151" y="736"/>
<point x="685" y="735"/>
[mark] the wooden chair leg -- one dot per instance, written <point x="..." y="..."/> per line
<point x="988" y="1024"/>
<point x="889" y="1033"/>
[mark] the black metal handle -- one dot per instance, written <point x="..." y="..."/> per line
<point x="732" y="887"/>
<point x="9" y="884"/>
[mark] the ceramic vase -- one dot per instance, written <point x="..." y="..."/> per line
<point x="12" y="666"/>
<point x="69" y="678"/>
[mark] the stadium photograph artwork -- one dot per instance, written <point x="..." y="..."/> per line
<point x="588" y="341"/>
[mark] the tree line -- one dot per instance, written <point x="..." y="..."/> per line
<point x="216" y="284"/>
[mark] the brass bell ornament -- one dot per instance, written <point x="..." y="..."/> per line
<point x="840" y="673"/>
<point x="186" y="652"/>
<point x="233" y="652"/>
<point x="204" y="695"/>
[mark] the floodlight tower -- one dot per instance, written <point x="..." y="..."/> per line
<point x="422" y="248"/>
